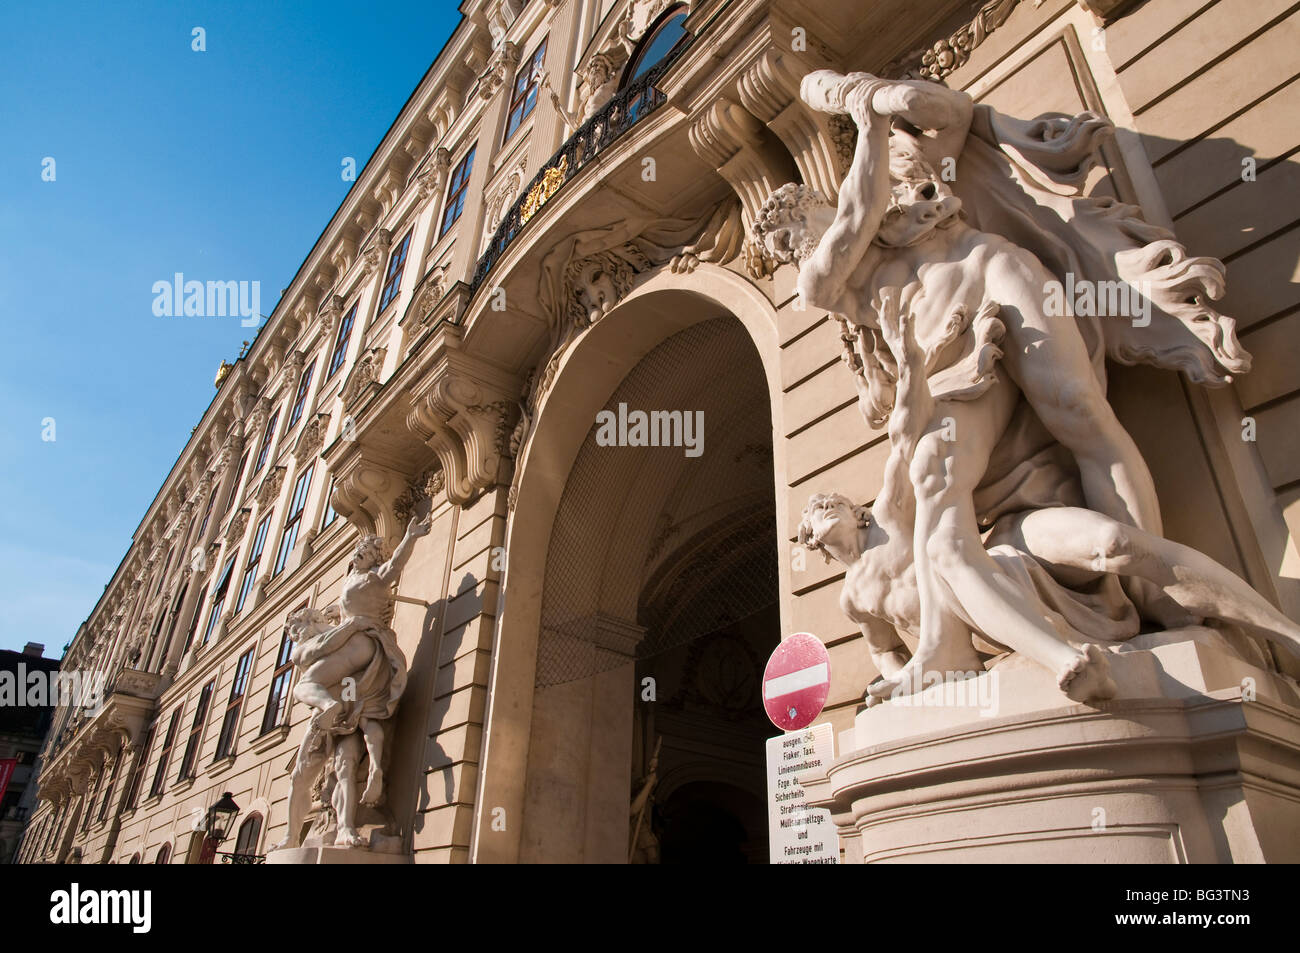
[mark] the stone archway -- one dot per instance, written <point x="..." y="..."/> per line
<point x="557" y="762"/>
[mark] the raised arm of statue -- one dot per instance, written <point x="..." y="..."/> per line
<point x="824" y="277"/>
<point x="390" y="571"/>
<point x="544" y="80"/>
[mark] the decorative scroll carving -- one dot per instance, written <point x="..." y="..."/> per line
<point x="311" y="439"/>
<point x="270" y="488"/>
<point x="951" y="53"/>
<point x="504" y="59"/>
<point x="363" y="379"/>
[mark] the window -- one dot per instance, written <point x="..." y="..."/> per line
<point x="162" y="576"/>
<point x="254" y="557"/>
<point x="164" y="854"/>
<point x="456" y="190"/>
<point x="207" y="513"/>
<point x="341" y="339"/>
<point x="87" y="808"/>
<point x="267" y="436"/>
<point x="218" y="598"/>
<point x="135" y="859"/>
<point x="226" y="743"/>
<point x="300" y="398"/>
<point x="234" y="486"/>
<point x="278" y="703"/>
<point x="524" y="97"/>
<point x="194" y="622"/>
<point x="160" y="775"/>
<point x="196" y="732"/>
<point x="249" y="832"/>
<point x="137" y="770"/>
<point x="657" y="44"/>
<point x="330" y="513"/>
<point x="171" y="629"/>
<point x="108" y="790"/>
<point x="289" y="536"/>
<point x="393" y="278"/>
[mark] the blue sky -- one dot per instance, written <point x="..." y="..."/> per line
<point x="224" y="165"/>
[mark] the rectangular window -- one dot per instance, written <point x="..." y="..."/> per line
<point x="226" y="743"/>
<point x="300" y="398"/>
<point x="160" y="775"/>
<point x="87" y="808"/>
<point x="207" y="514"/>
<point x="196" y="732"/>
<point x="340" y="352"/>
<point x="218" y="598"/>
<point x="330" y="514"/>
<point x="277" y="704"/>
<point x="137" y="770"/>
<point x="267" y="436"/>
<point x="254" y="557"/>
<point x="162" y="576"/>
<point x="393" y="277"/>
<point x="234" y="487"/>
<point x="456" y="190"/>
<point x="194" y="622"/>
<point x="524" y="97"/>
<point x="289" y="536"/>
<point x="112" y="780"/>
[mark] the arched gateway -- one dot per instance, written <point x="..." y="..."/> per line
<point x="642" y="590"/>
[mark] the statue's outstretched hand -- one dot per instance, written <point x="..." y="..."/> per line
<point x="417" y="528"/>
<point x="898" y="328"/>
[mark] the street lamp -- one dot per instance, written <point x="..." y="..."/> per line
<point x="221" y="818"/>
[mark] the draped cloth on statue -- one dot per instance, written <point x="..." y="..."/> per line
<point x="1022" y="179"/>
<point x="380" y="685"/>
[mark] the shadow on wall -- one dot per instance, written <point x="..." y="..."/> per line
<point x="419" y="723"/>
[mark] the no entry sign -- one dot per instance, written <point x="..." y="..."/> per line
<point x="796" y="682"/>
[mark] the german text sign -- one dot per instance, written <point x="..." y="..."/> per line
<point x="797" y="833"/>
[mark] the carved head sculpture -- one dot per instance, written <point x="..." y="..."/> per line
<point x="792" y="222"/>
<point x="919" y="200"/>
<point x="599" y="71"/>
<point x="307" y="622"/>
<point x="832" y="520"/>
<point x="368" y="554"/>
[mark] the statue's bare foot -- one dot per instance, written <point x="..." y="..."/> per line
<point x="920" y="672"/>
<point x="374" y="788"/>
<point x="1087" y="678"/>
<point x="347" y="837"/>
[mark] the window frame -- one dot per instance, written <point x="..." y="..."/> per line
<point x="330" y="515"/>
<point x="342" y="338"/>
<point x="159" y="785"/>
<point x="136" y="782"/>
<point x="393" y="274"/>
<point x="234" y="705"/>
<point x="268" y="437"/>
<point x="254" y="560"/>
<point x="190" y="759"/>
<point x="277" y="698"/>
<point x="457" y="189"/>
<point x="520" y="101"/>
<point x="300" y="398"/>
<point x="218" y="601"/>
<point x="292" y="520"/>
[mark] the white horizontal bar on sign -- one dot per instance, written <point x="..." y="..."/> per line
<point x="795" y="681"/>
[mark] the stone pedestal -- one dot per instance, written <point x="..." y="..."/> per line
<point x="334" y="855"/>
<point x="1197" y="760"/>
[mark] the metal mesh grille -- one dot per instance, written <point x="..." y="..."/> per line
<point x="705" y="552"/>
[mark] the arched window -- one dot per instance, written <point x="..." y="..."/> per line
<point x="164" y="855"/>
<point x="657" y="43"/>
<point x="249" y="831"/>
<point x="135" y="858"/>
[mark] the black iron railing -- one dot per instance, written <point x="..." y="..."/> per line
<point x="629" y="106"/>
<point x="234" y="858"/>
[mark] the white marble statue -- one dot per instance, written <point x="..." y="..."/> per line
<point x="352" y="673"/>
<point x="1010" y="414"/>
<point x="1066" y="559"/>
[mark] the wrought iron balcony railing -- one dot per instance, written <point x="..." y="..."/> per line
<point x="629" y="106"/>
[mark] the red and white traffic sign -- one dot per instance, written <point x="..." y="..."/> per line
<point x="796" y="682"/>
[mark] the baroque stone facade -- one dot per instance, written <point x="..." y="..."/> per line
<point x="606" y="256"/>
